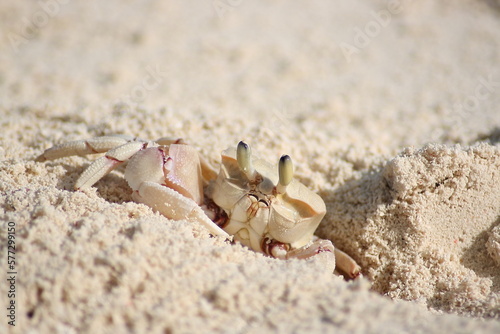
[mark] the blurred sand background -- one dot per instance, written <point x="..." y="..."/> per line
<point x="389" y="110"/>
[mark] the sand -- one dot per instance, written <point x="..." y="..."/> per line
<point x="389" y="113"/>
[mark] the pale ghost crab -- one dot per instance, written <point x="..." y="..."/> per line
<point x="261" y="206"/>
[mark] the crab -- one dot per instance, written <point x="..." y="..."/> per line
<point x="259" y="205"/>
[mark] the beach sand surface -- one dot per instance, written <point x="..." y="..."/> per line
<point x="390" y="113"/>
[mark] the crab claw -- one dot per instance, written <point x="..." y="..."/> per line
<point x="244" y="157"/>
<point x="285" y="170"/>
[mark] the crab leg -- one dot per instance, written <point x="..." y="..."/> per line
<point x="346" y="264"/>
<point x="170" y="140"/>
<point x="102" y="166"/>
<point x="343" y="262"/>
<point x="83" y="147"/>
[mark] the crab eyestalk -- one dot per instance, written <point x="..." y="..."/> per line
<point x="244" y="157"/>
<point x="285" y="170"/>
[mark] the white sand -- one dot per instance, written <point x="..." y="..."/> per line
<point x="400" y="138"/>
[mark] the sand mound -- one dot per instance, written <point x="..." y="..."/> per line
<point x="425" y="226"/>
